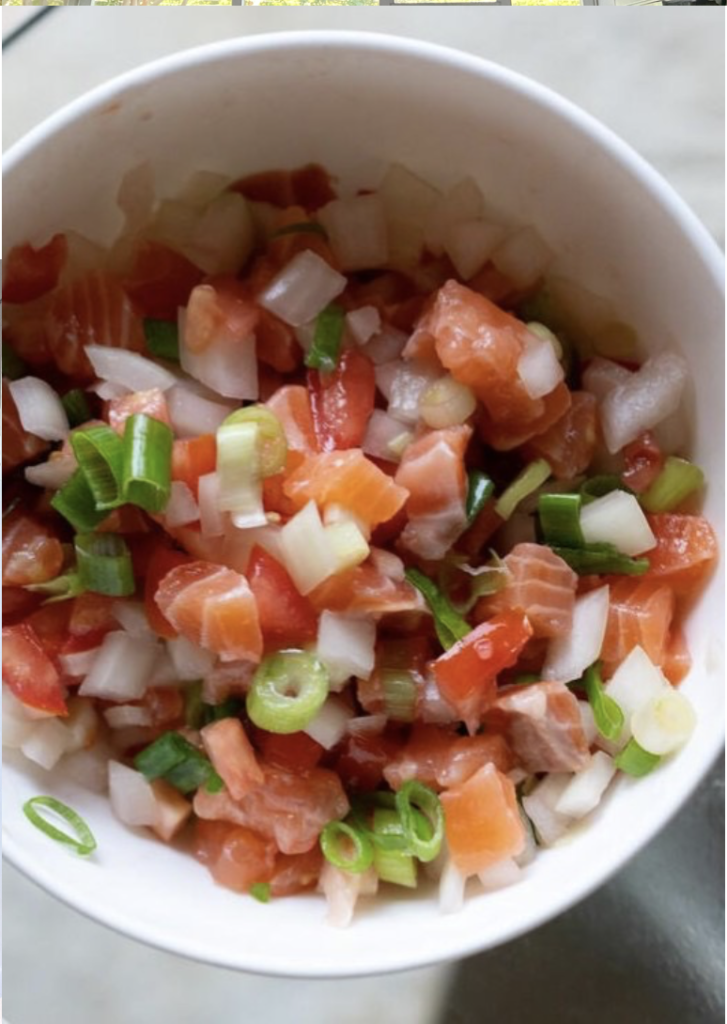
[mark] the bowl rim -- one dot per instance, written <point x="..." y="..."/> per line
<point x="705" y="250"/>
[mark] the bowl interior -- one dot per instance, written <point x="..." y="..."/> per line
<point x="356" y="104"/>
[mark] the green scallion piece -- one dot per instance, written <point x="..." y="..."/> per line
<point x="288" y="690"/>
<point x="194" y="707"/>
<point x="424" y="842"/>
<point x="601" y="558"/>
<point x="346" y="847"/>
<point x="634" y="760"/>
<point x="387" y="832"/>
<point x="104" y="564"/>
<point x="13" y="366"/>
<point x="193" y="773"/>
<point x="600" y="486"/>
<point x="326" y="347"/>
<point x="400" y="694"/>
<point x="678" y="479"/>
<point x="147" y="463"/>
<point x="260" y="891"/>
<point x="449" y="624"/>
<point x="76" y="503"/>
<point x="608" y="716"/>
<point x="479" y="490"/>
<point x="76" y="405"/>
<point x="560" y="519"/>
<point x="395" y="866"/>
<point x="60" y="589"/>
<point x="533" y="476"/>
<point x="100" y="453"/>
<point x="309" y="227"/>
<point x="83" y="842"/>
<point x="162" y="338"/>
<point x="271" y="441"/>
<point x="229" y="708"/>
<point x="173" y="758"/>
<point x="526" y="678"/>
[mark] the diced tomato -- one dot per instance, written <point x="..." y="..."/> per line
<point x="342" y="401"/>
<point x="296" y="873"/>
<point x="162" y="561"/>
<point x="237" y="857"/>
<point x="220" y="305"/>
<point x="367" y="590"/>
<point x="160" y="281"/>
<point x="482" y="821"/>
<point x="192" y="458"/>
<point x="541" y="585"/>
<point x="31" y="552"/>
<point x="291" y="404"/>
<point x="643" y="459"/>
<point x="487" y="523"/>
<point x="440" y="758"/>
<point x="277" y="345"/>
<point x="152" y="403"/>
<point x="286" y="618"/>
<point x="640" y="614"/>
<point x="232" y="756"/>
<point x="274" y="497"/>
<point x="18" y="445"/>
<point x="570" y="443"/>
<point x="296" y="751"/>
<point x="308" y="186"/>
<point x="29" y="672"/>
<point x="466" y="674"/>
<point x="364" y="757"/>
<point x="686" y="550"/>
<point x="17" y="603"/>
<point x="677" y="659"/>
<point x="92" y="613"/>
<point x="50" y="623"/>
<point x="29" y="273"/>
<point x="165" y="704"/>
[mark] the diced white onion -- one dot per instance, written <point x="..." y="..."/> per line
<point x="54" y="473"/>
<point x="79" y="663"/>
<point x="17" y="723"/>
<point x="172" y="810"/>
<point x="545" y="334"/>
<point x="81" y="725"/>
<point x="346" y="647"/>
<point x="385" y="346"/>
<point x="538" y="367"/>
<point x="306" y="549"/>
<point x="664" y="723"/>
<point x="46" y="744"/>
<point x="363" y="323"/>
<point x="202" y="187"/>
<point x="211" y="519"/>
<point x="432" y="706"/>
<point x="588" y="721"/>
<point x="602" y="375"/>
<point x="132" y="798"/>
<point x="367" y="725"/>
<point x="469" y="244"/>
<point x="330" y="724"/>
<point x="335" y="513"/>
<point x="40" y="410"/>
<point x="89" y="767"/>
<point x="302" y="289"/>
<point x="127" y="715"/>
<point x="181" y="508"/>
<point x="384" y="436"/>
<point x="409" y="203"/>
<point x="505" y="872"/>
<point x="644" y="400"/>
<point x="403" y="384"/>
<point x="452" y="885"/>
<point x="634" y="683"/>
<point x="357" y="231"/>
<point x="129" y="369"/>
<point x="584" y="791"/>
<point x="191" y="414"/>
<point x="568" y="657"/>
<point x="446" y="403"/>
<point x="221" y="236"/>
<point x="342" y="890"/>
<point x="122" y="669"/>
<point x="163" y="673"/>
<point x="348" y="544"/>
<point x="228" y="364"/>
<point x="463" y="202"/>
<point x="523" y="257"/>
<point x="238" y="472"/>
<point x="108" y="391"/>
<point x="190" y="660"/>
<point x="540" y="803"/>
<point x="530" y="850"/>
<point x="131" y="615"/>
<point x="618" y="519"/>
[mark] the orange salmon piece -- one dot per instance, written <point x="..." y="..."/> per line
<point x="639" y="614"/>
<point x="540" y="584"/>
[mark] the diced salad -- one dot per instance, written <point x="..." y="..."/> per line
<point x="336" y="548"/>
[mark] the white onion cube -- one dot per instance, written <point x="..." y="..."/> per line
<point x="302" y="289"/>
<point x="583" y="793"/>
<point x="346" y="646"/>
<point x="357" y="231"/>
<point x="618" y="519"/>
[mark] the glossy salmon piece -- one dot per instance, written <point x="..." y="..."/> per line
<point x="639" y="615"/>
<point x="432" y="470"/>
<point x="540" y="584"/>
<point x="543" y="726"/>
<point x="482" y="821"/>
<point x="348" y="479"/>
<point x="309" y="186"/>
<point x="685" y="553"/>
<point x="18" y="445"/>
<point x="93" y="309"/>
<point x="291" y="405"/>
<point x="160" y="281"/>
<point x="237" y="857"/>
<point x="570" y="443"/>
<point x="213" y="607"/>
<point x="677" y="660"/>
<point x="342" y="401"/>
<point x="442" y="759"/>
<point x="232" y="756"/>
<point x="31" y="552"/>
<point x="296" y="872"/>
<point x="152" y="403"/>
<point x="29" y="273"/>
<point x="511" y="432"/>
<point x="365" y="590"/>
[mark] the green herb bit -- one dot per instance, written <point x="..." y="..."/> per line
<point x="83" y="842"/>
<point x="560" y="519"/>
<point x="480" y="489"/>
<point x="678" y="479"/>
<point x="594" y="559"/>
<point x="326" y="347"/>
<point x="288" y="690"/>
<point x="424" y="842"/>
<point x="600" y="486"/>
<point x="260" y="891"/>
<point x="76" y="503"/>
<point x="176" y="760"/>
<point x="162" y="339"/>
<point x="60" y="589"/>
<point x="449" y="624"/>
<point x="608" y="715"/>
<point x="99" y="452"/>
<point x="147" y="463"/>
<point x="634" y="760"/>
<point x="77" y="408"/>
<point x="104" y="564"/>
<point x="346" y="848"/>
<point x="533" y="476"/>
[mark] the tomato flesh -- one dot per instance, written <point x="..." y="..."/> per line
<point x="342" y="402"/>
<point x="29" y="672"/>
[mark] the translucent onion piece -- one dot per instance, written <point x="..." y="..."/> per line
<point x="40" y="410"/>
<point x="128" y="369"/>
<point x="357" y="231"/>
<point x="302" y="289"/>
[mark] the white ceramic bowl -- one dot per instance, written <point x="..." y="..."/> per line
<point x="357" y="103"/>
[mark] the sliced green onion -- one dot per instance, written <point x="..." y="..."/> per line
<point x="560" y="519"/>
<point x="425" y="843"/>
<point x="162" y="339"/>
<point x="147" y="462"/>
<point x="601" y="558"/>
<point x="288" y="690"/>
<point x="76" y="503"/>
<point x="104" y="564"/>
<point x="449" y="624"/>
<point x="260" y="891"/>
<point x="387" y="830"/>
<point x="479" y="490"/>
<point x="324" y="352"/>
<point x="76" y="405"/>
<point x="336" y="836"/>
<point x="600" y="486"/>
<point x="395" y="866"/>
<point x="400" y="694"/>
<point x="678" y="479"/>
<point x="271" y="440"/>
<point x="83" y="842"/>
<point x="533" y="476"/>
<point x="526" y="678"/>
<point x="193" y="705"/>
<point x="173" y="758"/>
<point x="636" y="761"/>
<point x="229" y="708"/>
<point x="196" y="771"/>
<point x="608" y="716"/>
<point x="60" y="589"/>
<point x="304" y="227"/>
<point x="238" y="469"/>
<point x="100" y="454"/>
<point x="13" y="366"/>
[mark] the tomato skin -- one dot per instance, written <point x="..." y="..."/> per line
<point x="308" y="186"/>
<point x="296" y="751"/>
<point x="30" y="273"/>
<point x="162" y="560"/>
<point x="192" y="458"/>
<point x="644" y="460"/>
<point x="342" y="401"/>
<point x="160" y="281"/>
<point x="685" y="551"/>
<point x="31" y="553"/>
<point x="363" y="759"/>
<point x="29" y="672"/>
<point x="286" y="618"/>
<point x="51" y="625"/>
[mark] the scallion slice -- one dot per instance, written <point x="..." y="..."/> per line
<point x="400" y="694"/>
<point x="336" y="837"/>
<point x="104" y="564"/>
<point x="634" y="760"/>
<point x="608" y="716"/>
<point x="173" y="758"/>
<point x="533" y="476"/>
<point x="76" y="405"/>
<point x="238" y="471"/>
<point x="147" y="462"/>
<point x="59" y="589"/>
<point x="449" y="624"/>
<point x="560" y="519"/>
<point x="76" y="503"/>
<point x="601" y="558"/>
<point x="425" y="842"/>
<point x="600" y="486"/>
<point x="327" y="338"/>
<point x="288" y="690"/>
<point x="479" y="490"/>
<point x="678" y="479"/>
<point x="260" y="891"/>
<point x="194" y="706"/>
<point x="229" y="708"/>
<point x="13" y="366"/>
<point x="395" y="866"/>
<point x="162" y="339"/>
<point x="271" y="440"/>
<point x="83" y="842"/>
<point x="100" y="455"/>
<point x="310" y="227"/>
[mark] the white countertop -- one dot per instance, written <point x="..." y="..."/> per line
<point x="658" y="82"/>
